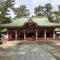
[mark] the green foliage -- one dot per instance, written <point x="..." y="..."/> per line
<point x="6" y="20"/>
<point x="57" y="14"/>
<point x="51" y="18"/>
<point x="48" y="7"/>
<point x="59" y="8"/>
<point x="5" y="7"/>
<point x="21" y="11"/>
<point x="39" y="11"/>
<point x="47" y="11"/>
<point x="43" y="10"/>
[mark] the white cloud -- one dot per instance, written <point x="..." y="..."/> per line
<point x="34" y="1"/>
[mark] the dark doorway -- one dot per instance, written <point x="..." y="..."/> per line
<point x="21" y="35"/>
<point x="30" y="34"/>
<point x="41" y="34"/>
<point x="48" y="35"/>
<point x="13" y="35"/>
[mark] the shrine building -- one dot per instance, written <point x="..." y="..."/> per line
<point x="26" y="27"/>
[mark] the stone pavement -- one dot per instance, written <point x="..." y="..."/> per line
<point x="32" y="52"/>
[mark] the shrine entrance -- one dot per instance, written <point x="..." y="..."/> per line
<point x="30" y="35"/>
<point x="30" y="30"/>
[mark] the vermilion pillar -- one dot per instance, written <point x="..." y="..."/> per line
<point x="45" y="34"/>
<point x="54" y="34"/>
<point x="10" y="35"/>
<point x="7" y="35"/>
<point x="24" y="35"/>
<point x="36" y="34"/>
<point x="16" y="35"/>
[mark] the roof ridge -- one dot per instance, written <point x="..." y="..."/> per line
<point x="31" y="17"/>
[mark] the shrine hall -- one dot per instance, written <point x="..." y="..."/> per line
<point x="26" y="27"/>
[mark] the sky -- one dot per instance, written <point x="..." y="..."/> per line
<point x="31" y="4"/>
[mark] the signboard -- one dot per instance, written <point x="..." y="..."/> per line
<point x="57" y="32"/>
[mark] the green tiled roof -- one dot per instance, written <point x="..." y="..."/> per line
<point x="41" y="21"/>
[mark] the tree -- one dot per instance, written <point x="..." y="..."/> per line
<point x="58" y="10"/>
<point x="59" y="7"/>
<point x="48" y="12"/>
<point x="21" y="11"/>
<point x="57" y="14"/>
<point x="48" y="8"/>
<point x="39" y="11"/>
<point x="43" y="10"/>
<point x="5" y="7"/>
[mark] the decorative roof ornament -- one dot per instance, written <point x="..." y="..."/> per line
<point x="30" y="20"/>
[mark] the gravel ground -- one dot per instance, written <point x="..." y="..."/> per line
<point x="8" y="50"/>
<point x="52" y="49"/>
<point x="7" y="53"/>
